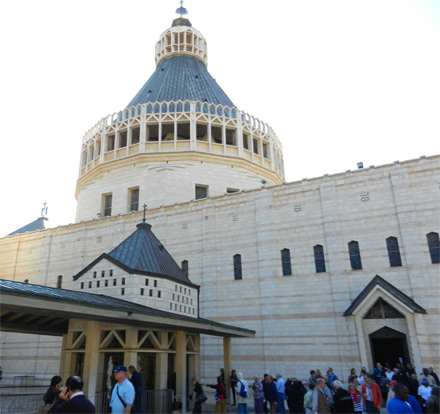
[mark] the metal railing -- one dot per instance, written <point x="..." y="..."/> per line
<point x="153" y="401"/>
<point x="21" y="400"/>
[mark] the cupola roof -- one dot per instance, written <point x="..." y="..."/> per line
<point x="181" y="69"/>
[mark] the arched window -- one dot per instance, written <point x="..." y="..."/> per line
<point x="355" y="255"/>
<point x="237" y="267"/>
<point x="318" y="252"/>
<point x="285" y="261"/>
<point x="393" y="252"/>
<point x="434" y="247"/>
<point x="185" y="267"/>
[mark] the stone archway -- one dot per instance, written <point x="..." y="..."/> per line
<point x="385" y="317"/>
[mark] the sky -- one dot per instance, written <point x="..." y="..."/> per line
<point x="339" y="81"/>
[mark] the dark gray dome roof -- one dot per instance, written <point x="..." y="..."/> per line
<point x="180" y="78"/>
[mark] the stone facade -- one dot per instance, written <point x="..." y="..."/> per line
<point x="298" y="317"/>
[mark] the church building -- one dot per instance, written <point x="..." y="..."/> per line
<point x="340" y="270"/>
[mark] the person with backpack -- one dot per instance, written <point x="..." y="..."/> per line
<point x="220" y="395"/>
<point x="242" y="394"/>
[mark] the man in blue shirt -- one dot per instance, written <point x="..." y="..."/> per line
<point x="402" y="402"/>
<point x="123" y="392"/>
<point x="281" y="384"/>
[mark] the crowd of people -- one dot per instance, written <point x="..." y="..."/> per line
<point x="397" y="390"/>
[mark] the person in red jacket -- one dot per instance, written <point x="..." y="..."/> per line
<point x="372" y="395"/>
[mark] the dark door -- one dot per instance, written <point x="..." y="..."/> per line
<point x="389" y="346"/>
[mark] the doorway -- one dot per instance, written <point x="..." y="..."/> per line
<point x="389" y="346"/>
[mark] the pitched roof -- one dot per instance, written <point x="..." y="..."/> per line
<point x="143" y="253"/>
<point x="38" y="224"/>
<point x="388" y="287"/>
<point x="180" y="78"/>
<point x="36" y="303"/>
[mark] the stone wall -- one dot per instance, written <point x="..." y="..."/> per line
<point x="298" y="319"/>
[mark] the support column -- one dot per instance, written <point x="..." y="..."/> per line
<point x="91" y="359"/>
<point x="181" y="380"/>
<point x="162" y="363"/>
<point x="227" y="364"/>
<point x="130" y="352"/>
<point x="66" y="356"/>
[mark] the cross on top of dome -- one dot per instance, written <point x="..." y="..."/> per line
<point x="181" y="10"/>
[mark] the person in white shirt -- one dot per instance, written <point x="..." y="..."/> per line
<point x="425" y="390"/>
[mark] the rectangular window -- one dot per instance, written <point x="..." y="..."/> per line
<point x="122" y="139"/>
<point x="146" y="282"/>
<point x="90" y="285"/>
<point x="183" y="131"/>
<point x="115" y="281"/>
<point x="201" y="191"/>
<point x="123" y="281"/>
<point x="202" y="132"/>
<point x="135" y="135"/>
<point x="97" y="284"/>
<point x="158" y="293"/>
<point x="355" y="255"/>
<point x="318" y="252"/>
<point x="59" y="281"/>
<point x="434" y="247"/>
<point x="232" y="190"/>
<point x="107" y="204"/>
<point x="151" y="292"/>
<point x="122" y="291"/>
<point x="155" y="283"/>
<point x="94" y="275"/>
<point x="285" y="261"/>
<point x="216" y="134"/>
<point x="111" y="272"/>
<point x="106" y="283"/>
<point x="230" y="137"/>
<point x="110" y="142"/>
<point x="102" y="273"/>
<point x="237" y="267"/>
<point x="256" y="148"/>
<point x="133" y="194"/>
<point x="245" y="141"/>
<point x="174" y="296"/>
<point x="142" y="292"/>
<point x="167" y="132"/>
<point x="153" y="133"/>
<point x="394" y="252"/>
<point x="82" y="285"/>
<point x="185" y="267"/>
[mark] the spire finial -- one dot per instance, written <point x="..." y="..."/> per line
<point x="145" y="210"/>
<point x="44" y="209"/>
<point x="181" y="10"/>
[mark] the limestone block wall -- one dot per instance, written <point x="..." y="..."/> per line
<point x="160" y="184"/>
<point x="298" y="318"/>
<point x="105" y="278"/>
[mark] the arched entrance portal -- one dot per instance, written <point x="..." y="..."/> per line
<point x="389" y="346"/>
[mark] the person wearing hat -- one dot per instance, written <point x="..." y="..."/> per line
<point x="72" y="400"/>
<point x="425" y="392"/>
<point x="123" y="392"/>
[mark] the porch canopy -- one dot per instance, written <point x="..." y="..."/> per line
<point x="42" y="310"/>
